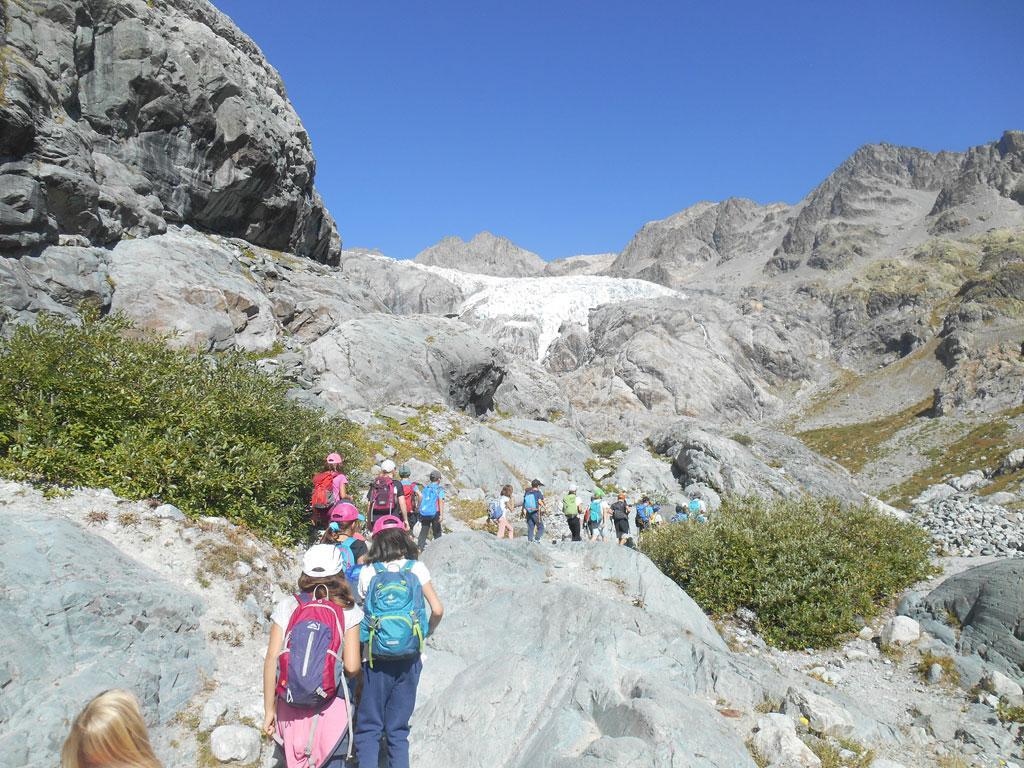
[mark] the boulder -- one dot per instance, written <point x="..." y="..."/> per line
<point x="970" y="481"/>
<point x="825" y="716"/>
<point x="776" y="742"/>
<point x="933" y="494"/>
<point x="1013" y="461"/>
<point x="900" y="630"/>
<point x="988" y="603"/>
<point x="1001" y="685"/>
<point x="73" y="631"/>
<point x="235" y="743"/>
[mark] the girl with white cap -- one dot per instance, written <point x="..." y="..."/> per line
<point x="310" y="715"/>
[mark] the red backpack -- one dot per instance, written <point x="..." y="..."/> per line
<point x="383" y="496"/>
<point x="323" y="495"/>
<point x="310" y="671"/>
<point x="409" y="491"/>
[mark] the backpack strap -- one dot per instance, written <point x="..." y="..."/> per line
<point x="407" y="566"/>
<point x="379" y="568"/>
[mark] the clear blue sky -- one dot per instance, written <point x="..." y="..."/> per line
<point x="567" y="125"/>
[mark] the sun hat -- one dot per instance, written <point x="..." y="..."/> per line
<point x="404" y="471"/>
<point x="387" y="522"/>
<point x="537" y="483"/>
<point x="387" y="466"/>
<point x="335" y="458"/>
<point x="344" y="512"/>
<point x="572" y="488"/>
<point x="322" y="560"/>
<point x="598" y="493"/>
<point x="435" y="475"/>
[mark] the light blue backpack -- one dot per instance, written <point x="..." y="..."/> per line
<point x="395" y="621"/>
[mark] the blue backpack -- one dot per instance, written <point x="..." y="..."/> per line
<point x="530" y="501"/>
<point x="430" y="497"/>
<point x="395" y="623"/>
<point x="495" y="509"/>
<point x="595" y="511"/>
<point x="643" y="512"/>
<point x="348" y="560"/>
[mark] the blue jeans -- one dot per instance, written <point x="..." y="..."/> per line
<point x="533" y="520"/>
<point x="389" y="698"/>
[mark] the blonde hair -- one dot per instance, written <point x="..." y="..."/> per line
<point x="109" y="731"/>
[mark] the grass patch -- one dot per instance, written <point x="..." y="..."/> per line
<point x="96" y="517"/>
<point x="1008" y="714"/>
<point x="950" y="675"/>
<point x="990" y="439"/>
<point x="744" y="440"/>
<point x="811" y="569"/>
<point x="831" y="756"/>
<point x="605" y="448"/>
<point x="951" y="761"/>
<point x="100" y="404"/>
<point x="855" y="445"/>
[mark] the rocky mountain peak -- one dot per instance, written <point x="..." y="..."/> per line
<point x="120" y="117"/>
<point x="485" y="254"/>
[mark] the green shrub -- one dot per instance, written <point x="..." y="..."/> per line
<point x="605" y="448"/>
<point x="808" y="567"/>
<point x="99" y="404"/>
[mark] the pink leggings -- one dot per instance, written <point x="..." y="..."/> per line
<point x="503" y="525"/>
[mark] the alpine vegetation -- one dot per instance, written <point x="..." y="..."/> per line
<point x="811" y="569"/>
<point x="100" y="404"/>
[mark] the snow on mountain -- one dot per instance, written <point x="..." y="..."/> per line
<point x="541" y="303"/>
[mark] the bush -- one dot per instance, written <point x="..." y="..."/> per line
<point x="98" y="404"/>
<point x="811" y="569"/>
<point x="605" y="448"/>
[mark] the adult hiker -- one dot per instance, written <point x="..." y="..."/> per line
<point x="431" y="509"/>
<point x="644" y="513"/>
<point x="571" y="508"/>
<point x="411" y="492"/>
<point x="533" y="509"/>
<point x="384" y="497"/>
<point x="314" y="644"/>
<point x="499" y="510"/>
<point x="329" y="487"/>
<point x="109" y="731"/>
<point x="596" y="514"/>
<point x="697" y="508"/>
<point x="396" y="590"/>
<point x="620" y="516"/>
<point x="343" y="531"/>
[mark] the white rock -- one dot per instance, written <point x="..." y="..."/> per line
<point x="883" y="762"/>
<point x="824" y="715"/>
<point x="933" y="494"/>
<point x="1001" y="685"/>
<point x="968" y="482"/>
<point x="900" y="630"/>
<point x="856" y="654"/>
<point x="259" y="564"/>
<point x="865" y="633"/>
<point x="213" y="710"/>
<point x="168" y="512"/>
<point x="1014" y="460"/>
<point x="238" y="743"/>
<point x="776" y="741"/>
<point x="242" y="569"/>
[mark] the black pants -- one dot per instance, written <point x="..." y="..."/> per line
<point x="574" y="526"/>
<point x="429" y="524"/>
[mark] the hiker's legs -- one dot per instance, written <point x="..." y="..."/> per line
<point x="540" y="528"/>
<point x="377" y="684"/>
<point x="531" y="522"/>
<point x="504" y="526"/>
<point x="424" y="528"/>
<point x="574" y="527"/>
<point x="435" y="527"/>
<point x="398" y="712"/>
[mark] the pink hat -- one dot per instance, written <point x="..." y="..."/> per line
<point x="344" y="512"/>
<point x="386" y="522"/>
<point x="334" y="458"/>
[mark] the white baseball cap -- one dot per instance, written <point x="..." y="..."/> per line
<point x="572" y="488"/>
<point x="387" y="465"/>
<point x="322" y="560"/>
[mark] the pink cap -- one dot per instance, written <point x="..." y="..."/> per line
<point x="344" y="512"/>
<point x="334" y="458"/>
<point x="386" y="522"/>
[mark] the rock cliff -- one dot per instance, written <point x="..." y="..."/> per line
<point x="119" y="117"/>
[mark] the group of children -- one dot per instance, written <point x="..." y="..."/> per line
<point x="593" y="516"/>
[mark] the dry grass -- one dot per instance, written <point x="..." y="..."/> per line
<point x="950" y="675"/>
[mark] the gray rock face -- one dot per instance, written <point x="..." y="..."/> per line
<point x="402" y="290"/>
<point x="591" y="264"/>
<point x="119" y="117"/>
<point x="670" y="250"/>
<point x="378" y="359"/>
<point x="485" y="254"/>
<point x="72" y="632"/>
<point x="988" y="602"/>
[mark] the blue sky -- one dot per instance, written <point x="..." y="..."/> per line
<point x="567" y="125"/>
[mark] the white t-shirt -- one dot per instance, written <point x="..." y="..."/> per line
<point x="283" y="611"/>
<point x="504" y="501"/>
<point x="367" y="573"/>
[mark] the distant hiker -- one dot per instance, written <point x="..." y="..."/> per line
<point x="411" y="492"/>
<point x="571" y="508"/>
<point x="431" y="509"/>
<point x="343" y="532"/>
<point x="620" y="516"/>
<point x="329" y="487"/>
<point x="596" y="514"/>
<point x="533" y="509"/>
<point x="396" y="590"/>
<point x="384" y="497"/>
<point x="109" y="731"/>
<point x="499" y="510"/>
<point x="314" y="644"/>
<point x="644" y="513"/>
<point x="656" y="517"/>
<point x="696" y="509"/>
<point x="681" y="515"/>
